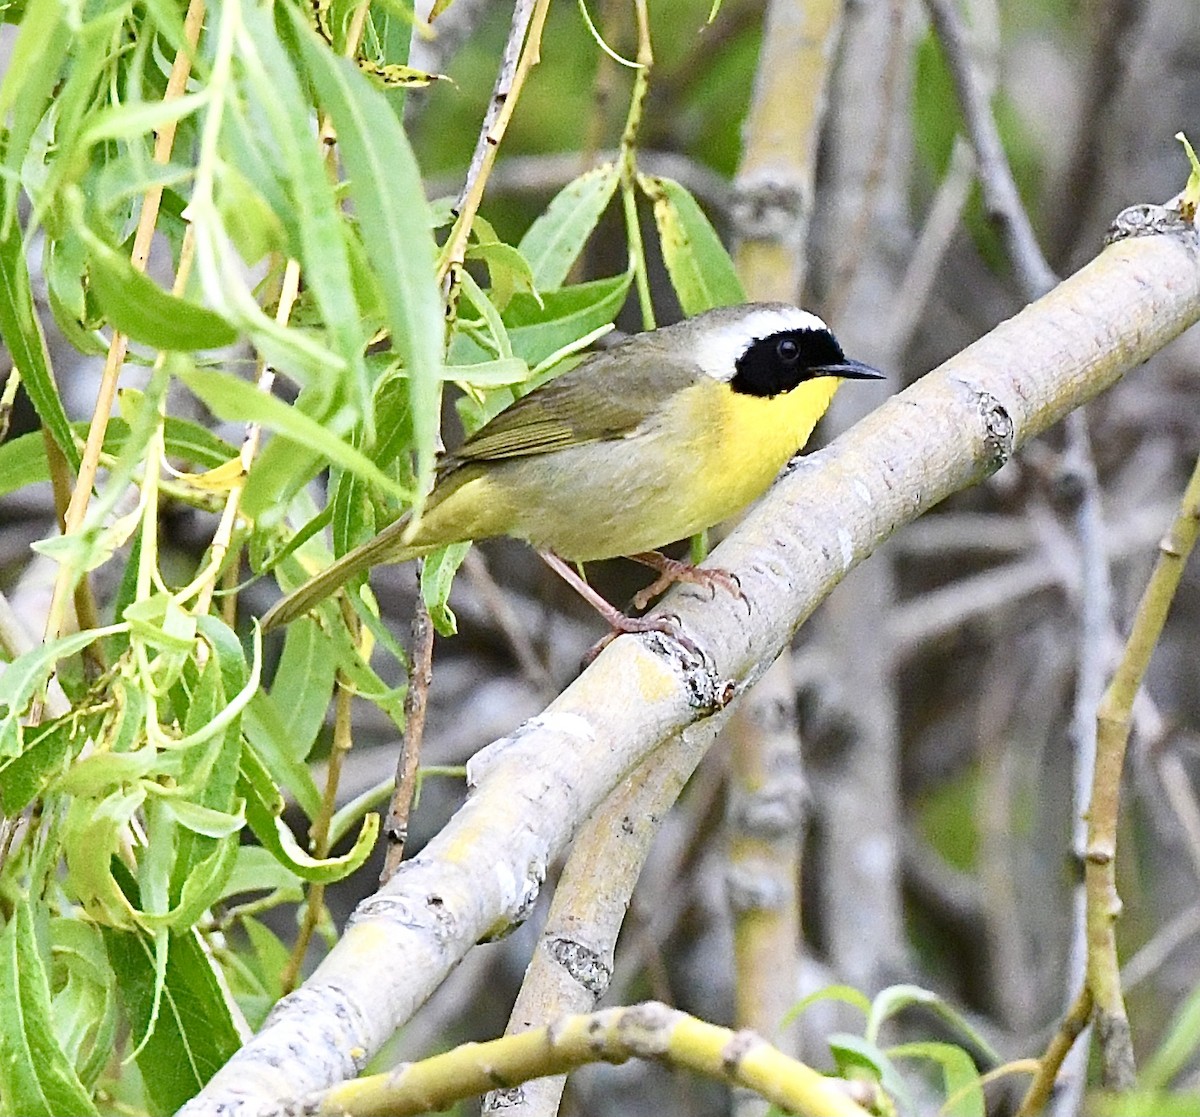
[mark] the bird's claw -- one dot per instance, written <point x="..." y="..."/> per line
<point x="673" y="571"/>
<point x="666" y="623"/>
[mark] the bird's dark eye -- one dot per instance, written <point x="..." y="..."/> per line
<point x="788" y="350"/>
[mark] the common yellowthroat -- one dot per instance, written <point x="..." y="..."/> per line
<point x="653" y="440"/>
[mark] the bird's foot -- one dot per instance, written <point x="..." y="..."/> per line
<point x="620" y="625"/>
<point x="671" y="571"/>
<point x="618" y="622"/>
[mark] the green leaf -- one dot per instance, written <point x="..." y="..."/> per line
<point x="437" y="576"/>
<point x="960" y="1079"/>
<point x="28" y="674"/>
<point x="193" y="1033"/>
<point x="255" y="870"/>
<point x="48" y="750"/>
<point x="266" y="730"/>
<point x="508" y="270"/>
<point x="133" y="120"/>
<point x="700" y="268"/>
<point x="1190" y="201"/>
<point x="137" y="306"/>
<point x="36" y="1077"/>
<point x="201" y="819"/>
<point x="85" y="1004"/>
<point x="490" y="374"/>
<point x="389" y="198"/>
<point x="855" y="1055"/>
<point x="1177" y="1046"/>
<point x="22" y="334"/>
<point x="845" y="994"/>
<point x="30" y="76"/>
<point x="316" y="216"/>
<point x="92" y="835"/>
<point x="264" y="805"/>
<point x="285" y="466"/>
<point x="303" y="685"/>
<point x="568" y="314"/>
<point x="553" y="242"/>
<point x="897" y="997"/>
<point x="232" y="399"/>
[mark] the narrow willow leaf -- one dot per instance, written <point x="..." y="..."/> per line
<point x="1177" y="1047"/>
<point x="960" y="1078"/>
<point x="255" y="870"/>
<point x="853" y="1053"/>
<point x="303" y="684"/>
<point x="843" y="994"/>
<point x="233" y="399"/>
<point x="84" y="1008"/>
<point x="490" y="374"/>
<point x="894" y="998"/>
<point x="285" y="466"/>
<point x="568" y="314"/>
<point x="92" y="835"/>
<point x="700" y="268"/>
<point x="23" y="337"/>
<point x="553" y="242"/>
<point x="48" y="750"/>
<point x="264" y="805"/>
<point x="193" y="1031"/>
<point x="389" y="199"/>
<point x="137" y="306"/>
<point x="136" y="119"/>
<point x="30" y="75"/>
<point x="36" y="1077"/>
<point x="508" y="270"/>
<point x="437" y="577"/>
<point x="316" y="216"/>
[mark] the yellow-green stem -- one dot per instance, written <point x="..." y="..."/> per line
<point x="633" y="123"/>
<point x="1113" y="720"/>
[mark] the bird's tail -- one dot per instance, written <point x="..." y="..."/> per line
<point x="386" y="547"/>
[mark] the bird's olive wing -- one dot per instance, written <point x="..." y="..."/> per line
<point x="606" y="397"/>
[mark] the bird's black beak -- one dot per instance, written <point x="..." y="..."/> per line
<point x="850" y="370"/>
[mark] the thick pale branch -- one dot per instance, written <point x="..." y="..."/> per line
<point x="573" y="960"/>
<point x="532" y="789"/>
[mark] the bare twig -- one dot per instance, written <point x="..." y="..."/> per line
<point x="774" y="188"/>
<point x="999" y="190"/>
<point x="941" y="224"/>
<point x="420" y="676"/>
<point x="1064" y="1039"/>
<point x="858" y="236"/>
<point x="628" y="163"/>
<point x="1172" y="935"/>
<point x="1112" y="23"/>
<point x="1094" y="644"/>
<point x="521" y="53"/>
<point x="1177" y="784"/>
<point x="318" y="833"/>
<point x="494" y="600"/>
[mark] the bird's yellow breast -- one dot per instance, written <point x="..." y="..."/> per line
<point x="737" y="443"/>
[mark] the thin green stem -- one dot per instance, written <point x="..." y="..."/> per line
<point x="1113" y="721"/>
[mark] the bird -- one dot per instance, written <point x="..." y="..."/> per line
<point x="659" y="437"/>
